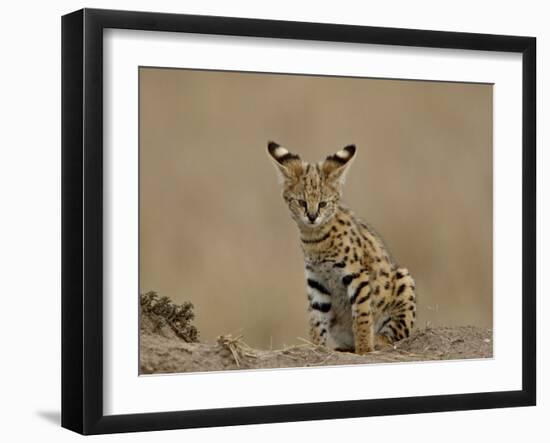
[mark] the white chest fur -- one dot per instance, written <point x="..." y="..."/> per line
<point x="338" y="319"/>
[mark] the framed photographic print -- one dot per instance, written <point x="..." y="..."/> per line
<point x="269" y="221"/>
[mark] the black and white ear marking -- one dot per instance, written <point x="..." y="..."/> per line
<point x="336" y="165"/>
<point x="281" y="154"/>
<point x="343" y="156"/>
<point x="288" y="164"/>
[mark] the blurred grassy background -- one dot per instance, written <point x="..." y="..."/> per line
<point x="215" y="231"/>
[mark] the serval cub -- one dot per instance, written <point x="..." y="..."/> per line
<point x="358" y="297"/>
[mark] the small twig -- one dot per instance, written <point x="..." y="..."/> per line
<point x="237" y="347"/>
<point x="307" y="341"/>
<point x="314" y="347"/>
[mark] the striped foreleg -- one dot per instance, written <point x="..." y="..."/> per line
<point x="320" y="307"/>
<point x="359" y="293"/>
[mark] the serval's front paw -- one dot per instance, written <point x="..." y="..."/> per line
<point x="363" y="348"/>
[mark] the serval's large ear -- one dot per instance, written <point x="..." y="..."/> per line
<point x="289" y="165"/>
<point x="336" y="165"/>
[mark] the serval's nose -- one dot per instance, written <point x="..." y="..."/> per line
<point x="312" y="217"/>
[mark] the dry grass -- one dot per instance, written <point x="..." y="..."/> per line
<point x="161" y="312"/>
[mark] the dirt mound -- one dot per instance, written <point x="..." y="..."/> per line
<point x="162" y="350"/>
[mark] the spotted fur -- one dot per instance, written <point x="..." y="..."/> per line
<point x="358" y="296"/>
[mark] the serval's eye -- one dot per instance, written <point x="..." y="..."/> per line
<point x="322" y="204"/>
<point x="302" y="203"/>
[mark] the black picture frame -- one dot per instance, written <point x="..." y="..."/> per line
<point x="82" y="220"/>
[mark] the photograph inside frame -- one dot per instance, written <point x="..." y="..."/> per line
<point x="301" y="221"/>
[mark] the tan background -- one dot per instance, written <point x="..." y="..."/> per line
<point x="214" y="229"/>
